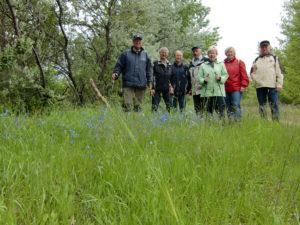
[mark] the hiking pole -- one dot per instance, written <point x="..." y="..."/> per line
<point x="220" y="90"/>
<point x="218" y="82"/>
<point x="205" y="98"/>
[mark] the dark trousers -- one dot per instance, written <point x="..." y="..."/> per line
<point x="233" y="104"/>
<point x="216" y="103"/>
<point x="157" y="97"/>
<point x="265" y="94"/>
<point x="179" y="100"/>
<point x="198" y="104"/>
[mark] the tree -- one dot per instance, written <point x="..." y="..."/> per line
<point x="291" y="51"/>
<point x="51" y="49"/>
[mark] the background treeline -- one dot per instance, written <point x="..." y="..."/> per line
<point x="290" y="51"/>
<point x="49" y="49"/>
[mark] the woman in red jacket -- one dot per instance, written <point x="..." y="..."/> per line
<point x="236" y="83"/>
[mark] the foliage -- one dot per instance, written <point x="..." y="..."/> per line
<point x="291" y="51"/>
<point x="95" y="33"/>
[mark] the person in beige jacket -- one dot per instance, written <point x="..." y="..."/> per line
<point x="268" y="80"/>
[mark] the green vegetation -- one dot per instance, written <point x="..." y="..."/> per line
<point x="290" y="53"/>
<point x="100" y="166"/>
<point x="49" y="50"/>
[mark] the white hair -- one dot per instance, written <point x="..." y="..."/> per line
<point x="178" y="51"/>
<point x="230" y="49"/>
<point x="212" y="48"/>
<point x="165" y="49"/>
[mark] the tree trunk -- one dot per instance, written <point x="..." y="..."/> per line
<point x="12" y="10"/>
<point x="3" y="36"/>
<point x="15" y="20"/>
<point x="108" y="40"/>
<point x="66" y="52"/>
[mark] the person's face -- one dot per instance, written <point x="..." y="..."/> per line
<point x="230" y="54"/>
<point x="264" y="50"/>
<point x="197" y="52"/>
<point x="137" y="43"/>
<point x="212" y="55"/>
<point x="163" y="55"/>
<point x="178" y="57"/>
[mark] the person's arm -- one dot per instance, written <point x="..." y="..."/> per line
<point x="149" y="72"/>
<point x="201" y="75"/>
<point x="189" y="84"/>
<point x="253" y="70"/>
<point x="120" y="66"/>
<point x="173" y="79"/>
<point x="224" y="74"/>
<point x="154" y="76"/>
<point x="243" y="74"/>
<point x="279" y="75"/>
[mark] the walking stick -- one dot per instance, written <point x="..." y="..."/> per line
<point x="98" y="93"/>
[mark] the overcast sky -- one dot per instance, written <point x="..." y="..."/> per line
<point x="243" y="23"/>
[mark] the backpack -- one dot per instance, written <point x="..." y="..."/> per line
<point x="275" y="59"/>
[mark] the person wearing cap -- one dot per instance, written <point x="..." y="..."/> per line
<point x="180" y="81"/>
<point x="212" y="77"/>
<point x="236" y="83"/>
<point x="135" y="66"/>
<point x="194" y="67"/>
<point x="161" y="87"/>
<point x="268" y="79"/>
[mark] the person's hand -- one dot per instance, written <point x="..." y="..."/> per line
<point x="152" y="92"/>
<point x="114" y="76"/>
<point x="278" y="88"/>
<point x="190" y="92"/>
<point x="243" y="89"/>
<point x="206" y="79"/>
<point x="171" y="90"/>
<point x="218" y="77"/>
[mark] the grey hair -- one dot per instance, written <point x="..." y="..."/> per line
<point x="270" y="49"/>
<point x="164" y="49"/>
<point x="212" y="48"/>
<point x="230" y="49"/>
<point x="178" y="51"/>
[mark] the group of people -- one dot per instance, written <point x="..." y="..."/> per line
<point x="214" y="85"/>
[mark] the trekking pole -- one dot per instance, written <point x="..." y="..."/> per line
<point x="205" y="98"/>
<point x="218" y="82"/>
<point x="220" y="90"/>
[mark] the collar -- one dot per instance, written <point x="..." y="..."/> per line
<point x="197" y="61"/>
<point x="137" y="52"/>
<point x="178" y="65"/>
<point x="165" y="62"/>
<point x="231" y="60"/>
<point x="267" y="55"/>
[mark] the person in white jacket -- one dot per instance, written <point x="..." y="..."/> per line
<point x="268" y="80"/>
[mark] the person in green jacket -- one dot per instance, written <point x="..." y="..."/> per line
<point x="212" y="77"/>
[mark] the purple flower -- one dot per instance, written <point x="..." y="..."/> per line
<point x="164" y="117"/>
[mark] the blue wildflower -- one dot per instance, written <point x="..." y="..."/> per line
<point x="164" y="117"/>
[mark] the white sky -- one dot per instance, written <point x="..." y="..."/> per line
<point x="244" y="23"/>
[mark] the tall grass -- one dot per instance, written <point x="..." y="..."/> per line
<point x="99" y="166"/>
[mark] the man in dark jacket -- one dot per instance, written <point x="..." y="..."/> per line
<point x="180" y="81"/>
<point x="195" y="64"/>
<point x="161" y="80"/>
<point x="135" y="66"/>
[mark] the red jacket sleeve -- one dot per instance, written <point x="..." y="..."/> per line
<point x="244" y="76"/>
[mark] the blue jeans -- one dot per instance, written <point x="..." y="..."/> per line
<point x="233" y="104"/>
<point x="265" y="94"/>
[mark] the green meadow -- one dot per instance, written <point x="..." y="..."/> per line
<point x="97" y="165"/>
